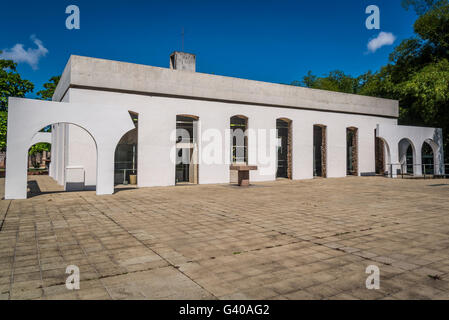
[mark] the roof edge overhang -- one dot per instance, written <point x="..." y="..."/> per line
<point x="115" y="76"/>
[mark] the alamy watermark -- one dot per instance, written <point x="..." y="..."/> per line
<point x="373" y="20"/>
<point x="73" y="280"/>
<point x="73" y="20"/>
<point x="373" y="280"/>
<point x="213" y="146"/>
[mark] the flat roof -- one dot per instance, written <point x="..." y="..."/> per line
<point x="116" y="76"/>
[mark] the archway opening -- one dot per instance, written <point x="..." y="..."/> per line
<point x="319" y="151"/>
<point x="407" y="156"/>
<point x="352" y="157"/>
<point x="125" y="159"/>
<point x="186" y="170"/>
<point x="239" y="145"/>
<point x="427" y="159"/>
<point x="284" y="148"/>
<point x="125" y="156"/>
<point x="69" y="156"/>
<point x="39" y="158"/>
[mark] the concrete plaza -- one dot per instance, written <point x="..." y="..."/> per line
<point x="309" y="239"/>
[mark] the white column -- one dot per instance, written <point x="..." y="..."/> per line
<point x="105" y="169"/>
<point x="262" y="148"/>
<point x="336" y="151"/>
<point x="366" y="150"/>
<point x="16" y="173"/>
<point x="155" y="167"/>
<point x="53" y="151"/>
<point x="394" y="155"/>
<point x="417" y="160"/>
<point x="302" y="152"/>
<point x="214" y="149"/>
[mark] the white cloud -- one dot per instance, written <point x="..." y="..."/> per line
<point x="30" y="56"/>
<point x="383" y="39"/>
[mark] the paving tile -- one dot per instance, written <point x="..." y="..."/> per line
<point x="278" y="240"/>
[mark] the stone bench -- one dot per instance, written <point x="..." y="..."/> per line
<point x="243" y="173"/>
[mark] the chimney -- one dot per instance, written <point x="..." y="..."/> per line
<point x="182" y="61"/>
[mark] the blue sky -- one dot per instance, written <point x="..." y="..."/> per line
<point x="275" y="41"/>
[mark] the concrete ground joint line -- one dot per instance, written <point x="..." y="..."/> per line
<point x="4" y="217"/>
<point x="13" y="265"/>
<point x="85" y="254"/>
<point x="38" y="257"/>
<point x="305" y="240"/>
<point x="148" y="247"/>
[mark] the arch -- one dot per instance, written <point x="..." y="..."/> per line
<point x="352" y="152"/>
<point x="240" y="116"/>
<point x="38" y="155"/>
<point x="24" y="122"/>
<point x="429" y="159"/>
<point x="125" y="159"/>
<point x="319" y="150"/>
<point x="187" y="154"/>
<point x="284" y="148"/>
<point x="188" y="116"/>
<point x="407" y="156"/>
<point x="38" y="160"/>
<point x="239" y="139"/>
<point x="71" y="166"/>
<point x="41" y="137"/>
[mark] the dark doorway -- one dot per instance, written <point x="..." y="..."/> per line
<point x="379" y="156"/>
<point x="283" y="127"/>
<point x="427" y="159"/>
<point x="186" y="170"/>
<point x="319" y="151"/>
<point x="351" y="151"/>
<point x="409" y="160"/>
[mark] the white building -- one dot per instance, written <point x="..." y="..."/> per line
<point x="111" y="119"/>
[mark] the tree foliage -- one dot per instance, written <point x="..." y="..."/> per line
<point x="336" y="80"/>
<point x="417" y="73"/>
<point x="49" y="88"/>
<point x="420" y="6"/>
<point x="3" y="129"/>
<point x="11" y="84"/>
<point x="39" y="148"/>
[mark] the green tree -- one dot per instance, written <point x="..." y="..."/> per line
<point x="417" y="73"/>
<point x="335" y="81"/>
<point x="3" y="129"/>
<point x="11" y="84"/>
<point x="47" y="93"/>
<point x="39" y="147"/>
<point x="433" y="28"/>
<point x="420" y="6"/>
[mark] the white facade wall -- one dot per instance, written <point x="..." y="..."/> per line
<point x="416" y="136"/>
<point x="24" y="124"/>
<point x="82" y="152"/>
<point x="73" y="146"/>
<point x="88" y="124"/>
<point x="157" y="121"/>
